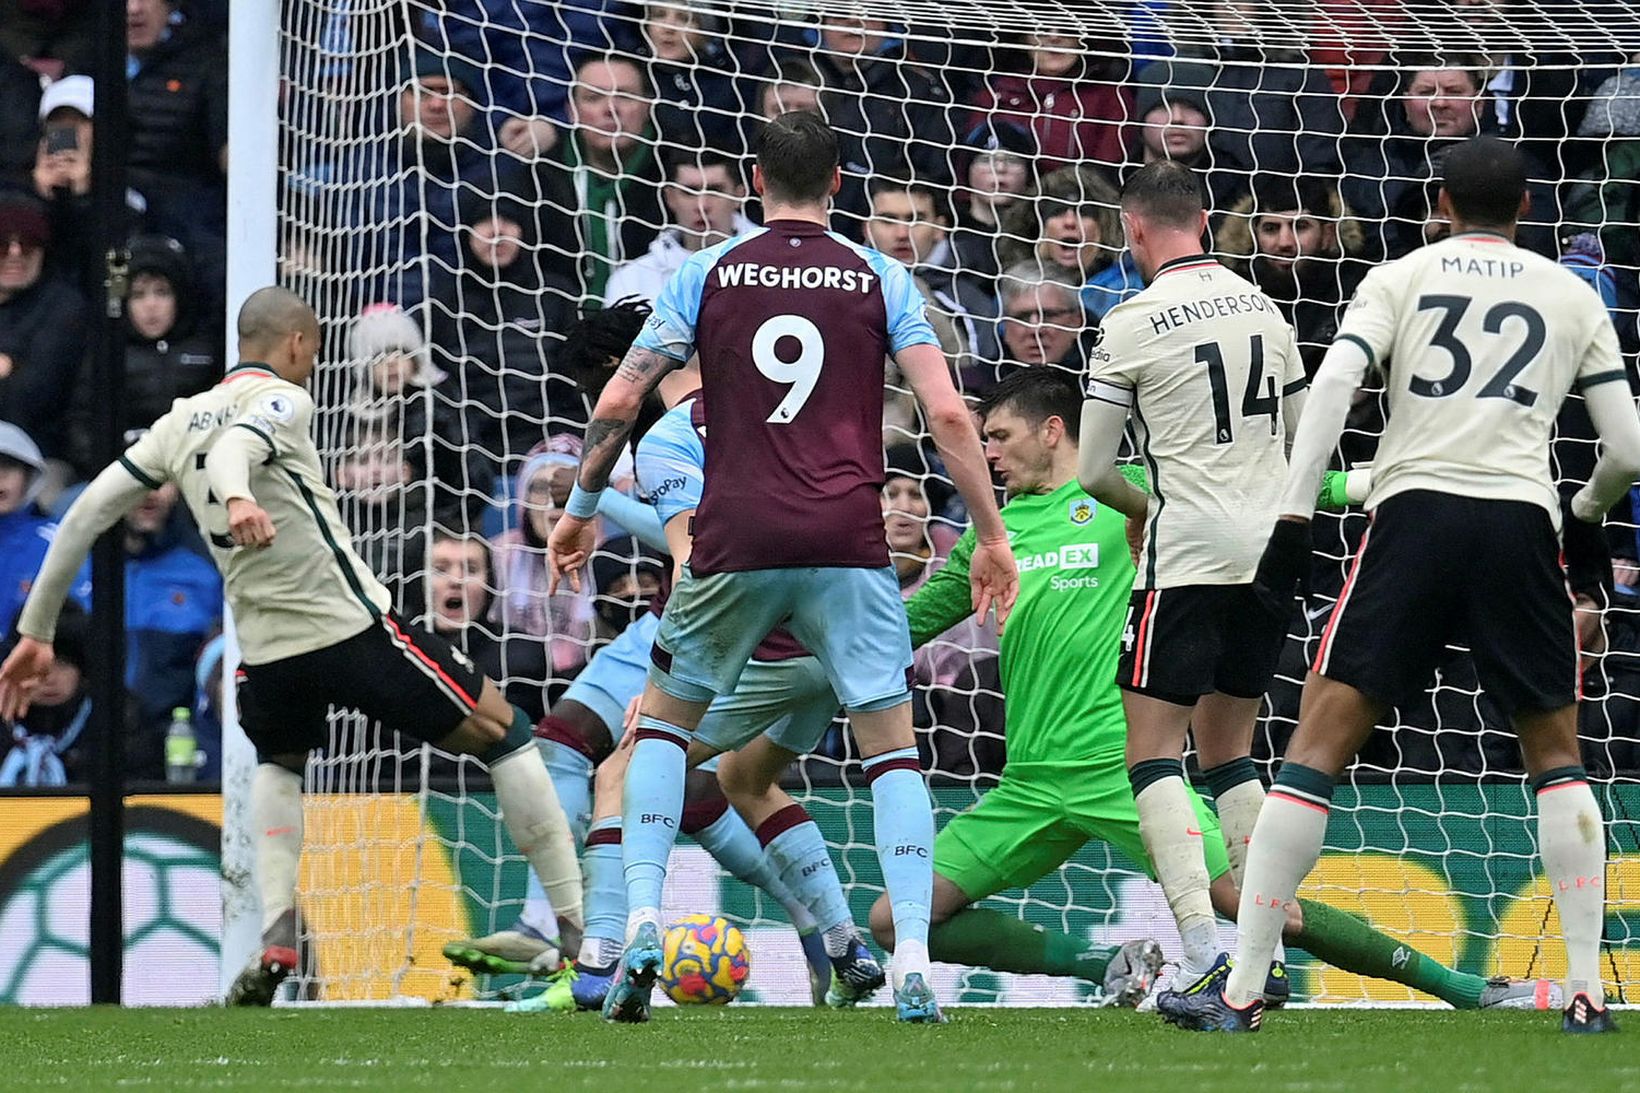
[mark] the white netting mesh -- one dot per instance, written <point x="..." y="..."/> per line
<point x="493" y="166"/>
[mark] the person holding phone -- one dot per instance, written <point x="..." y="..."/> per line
<point x="62" y="179"/>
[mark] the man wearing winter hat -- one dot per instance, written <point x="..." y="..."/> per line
<point x="1175" y="121"/>
<point x="25" y="532"/>
<point x="43" y="325"/>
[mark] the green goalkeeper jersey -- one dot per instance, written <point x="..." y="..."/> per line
<point x="1060" y="645"/>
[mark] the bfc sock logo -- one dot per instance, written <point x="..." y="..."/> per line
<point x="906" y="850"/>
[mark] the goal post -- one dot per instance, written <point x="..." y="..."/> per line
<point x="423" y="154"/>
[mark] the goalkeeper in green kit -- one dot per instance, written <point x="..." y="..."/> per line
<point x="1066" y="782"/>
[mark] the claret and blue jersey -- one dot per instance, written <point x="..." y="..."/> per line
<point x="792" y="324"/>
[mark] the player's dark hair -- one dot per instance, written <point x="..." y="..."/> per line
<point x="1165" y="192"/>
<point x="1485" y="179"/>
<point x="1036" y="394"/>
<point x="602" y="334"/>
<point x="798" y="155"/>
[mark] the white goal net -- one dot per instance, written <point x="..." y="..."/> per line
<point x="460" y="179"/>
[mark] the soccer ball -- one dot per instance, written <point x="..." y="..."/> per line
<point x="704" y="961"/>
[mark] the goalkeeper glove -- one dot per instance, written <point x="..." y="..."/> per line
<point x="1284" y="567"/>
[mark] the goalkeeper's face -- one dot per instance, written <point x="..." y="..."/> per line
<point x="1019" y="452"/>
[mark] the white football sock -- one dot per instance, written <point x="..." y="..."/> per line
<point x="1173" y="839"/>
<point x="1238" y="810"/>
<point x="1286" y="843"/>
<point x="276" y="812"/>
<point x="1572" y="843"/>
<point x="538" y="827"/>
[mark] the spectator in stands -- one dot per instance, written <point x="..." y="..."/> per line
<point x="455" y="582"/>
<point x="1053" y="85"/>
<point x="170" y="349"/>
<point x="596" y="195"/>
<point x="1604" y="202"/>
<point x="704" y="197"/>
<point x="46" y="743"/>
<point x="62" y="179"/>
<point x="691" y="72"/>
<point x="384" y="498"/>
<point x="43" y="328"/>
<point x="1074" y="228"/>
<point x="52" y="35"/>
<point x="562" y="621"/>
<point x="25" y="532"/>
<point x="491" y="328"/>
<point x="626" y="578"/>
<point x="1041" y="321"/>
<point x="990" y="180"/>
<point x="907" y="221"/>
<point x="411" y="192"/>
<point x="20" y="91"/>
<point x="1388" y="159"/>
<point x="1174" y="123"/>
<point x="173" y="604"/>
<point x="527" y="51"/>
<point x="1299" y="243"/>
<point x="1534" y="92"/>
<point x="891" y="114"/>
<point x="1271" y="110"/>
<point x="178" y="140"/>
<point x="793" y="86"/>
<point x="394" y="387"/>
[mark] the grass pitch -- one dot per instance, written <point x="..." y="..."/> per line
<point x="788" y="1049"/>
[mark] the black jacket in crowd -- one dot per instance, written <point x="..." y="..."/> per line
<point x="43" y="330"/>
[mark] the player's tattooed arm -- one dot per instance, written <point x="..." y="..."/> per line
<point x="638" y="374"/>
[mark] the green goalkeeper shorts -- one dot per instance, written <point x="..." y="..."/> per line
<point x="1043" y="813"/>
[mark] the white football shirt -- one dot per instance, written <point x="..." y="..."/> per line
<point x="1204" y="360"/>
<point x="306" y="591"/>
<point x="1479" y="342"/>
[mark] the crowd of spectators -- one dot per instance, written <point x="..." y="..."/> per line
<point x="508" y="167"/>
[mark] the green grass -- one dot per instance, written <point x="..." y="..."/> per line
<point x="788" y="1049"/>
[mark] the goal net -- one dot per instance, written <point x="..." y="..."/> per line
<point x="460" y="179"/>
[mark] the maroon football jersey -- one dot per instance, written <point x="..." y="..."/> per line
<point x="792" y="325"/>
<point x="779" y="644"/>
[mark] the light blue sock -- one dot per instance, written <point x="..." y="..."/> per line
<point x="571" y="774"/>
<point x="651" y="808"/>
<point x="733" y="845"/>
<point x="903" y="821"/>
<point x="795" y="846"/>
<point x="605" y="895"/>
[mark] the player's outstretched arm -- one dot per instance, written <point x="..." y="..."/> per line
<point x="1611" y="408"/>
<point x="228" y="470"/>
<point x="111" y="495"/>
<point x="572" y="539"/>
<point x="1104" y="419"/>
<point x="993" y="577"/>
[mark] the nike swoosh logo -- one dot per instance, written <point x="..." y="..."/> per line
<point x="1191" y="831"/>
